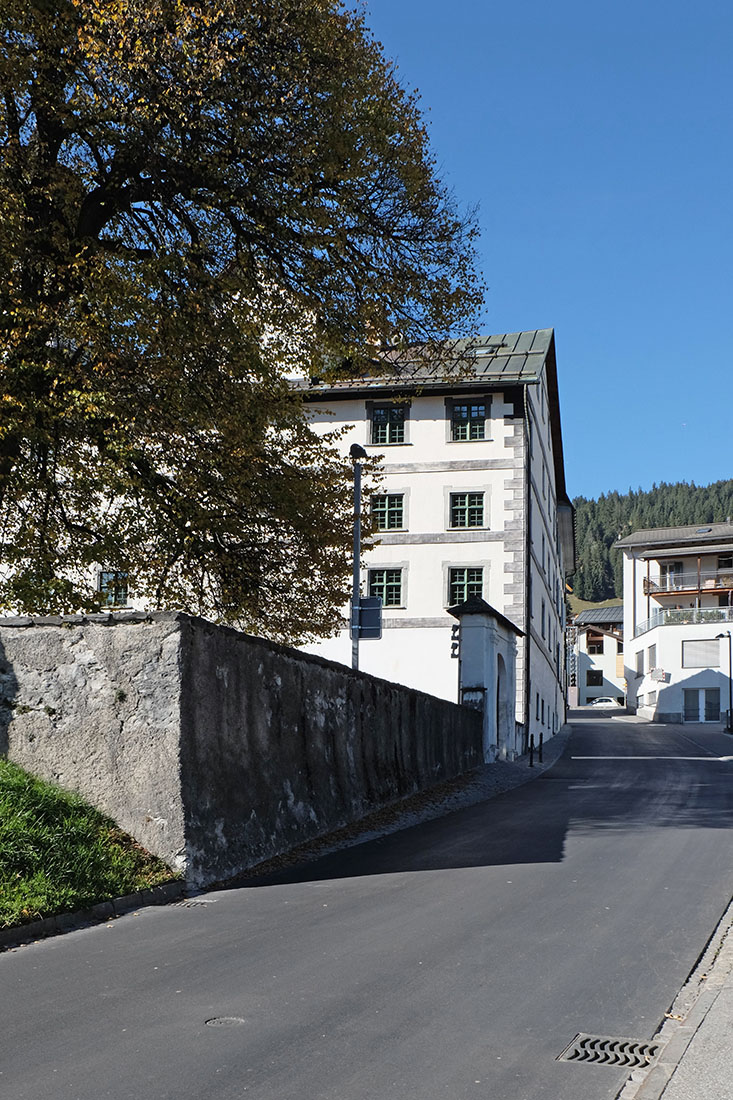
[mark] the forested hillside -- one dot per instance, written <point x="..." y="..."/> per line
<point x="599" y="523"/>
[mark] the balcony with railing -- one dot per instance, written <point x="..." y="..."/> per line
<point x="708" y="580"/>
<point x="682" y="616"/>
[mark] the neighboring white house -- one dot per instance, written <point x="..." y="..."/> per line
<point x="678" y="614"/>
<point x="473" y="503"/>
<point x="598" y="655"/>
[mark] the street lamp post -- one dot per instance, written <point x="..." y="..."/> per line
<point x="357" y="453"/>
<point x="728" y="726"/>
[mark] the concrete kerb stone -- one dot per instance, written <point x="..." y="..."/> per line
<point x="97" y="914"/>
<point x="690" y="1008"/>
<point x="127" y="903"/>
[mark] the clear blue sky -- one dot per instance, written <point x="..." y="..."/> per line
<point x="597" y="141"/>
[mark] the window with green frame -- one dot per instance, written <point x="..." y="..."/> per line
<point x="112" y="588"/>
<point x="386" y="583"/>
<point x="388" y="424"/>
<point x="468" y="421"/>
<point x="467" y="509"/>
<point x="388" y="511"/>
<point x="464" y="582"/>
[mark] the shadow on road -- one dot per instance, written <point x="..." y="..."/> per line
<point x="612" y="775"/>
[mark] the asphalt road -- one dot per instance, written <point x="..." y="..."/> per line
<point x="454" y="959"/>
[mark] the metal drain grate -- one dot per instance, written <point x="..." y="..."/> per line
<point x="606" y="1051"/>
<point x="191" y="904"/>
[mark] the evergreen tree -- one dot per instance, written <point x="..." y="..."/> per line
<point x="600" y="523"/>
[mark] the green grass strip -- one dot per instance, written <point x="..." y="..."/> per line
<point x="58" y="854"/>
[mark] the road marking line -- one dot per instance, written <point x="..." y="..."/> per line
<point x="719" y="759"/>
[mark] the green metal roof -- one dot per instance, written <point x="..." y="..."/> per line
<point x="489" y="362"/>
<point x="612" y="614"/>
<point x="506" y="358"/>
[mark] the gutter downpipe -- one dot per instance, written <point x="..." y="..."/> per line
<point x="357" y="453"/>
<point x="356" y="567"/>
<point x="527" y="565"/>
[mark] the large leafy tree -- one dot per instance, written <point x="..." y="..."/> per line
<point x="197" y="198"/>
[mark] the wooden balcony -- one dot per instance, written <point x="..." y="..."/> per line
<point x="720" y="580"/>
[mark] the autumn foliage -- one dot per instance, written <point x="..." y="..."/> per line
<point x="198" y="199"/>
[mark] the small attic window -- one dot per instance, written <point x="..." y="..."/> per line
<point x="703" y="530"/>
<point x="488" y="349"/>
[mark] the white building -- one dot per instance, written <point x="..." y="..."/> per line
<point x="678" y="614"/>
<point x="473" y="503"/>
<point x="598" y="655"/>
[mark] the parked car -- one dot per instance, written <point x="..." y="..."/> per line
<point x="605" y="701"/>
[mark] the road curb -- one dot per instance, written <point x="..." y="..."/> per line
<point x="21" y="934"/>
<point x="690" y="1008"/>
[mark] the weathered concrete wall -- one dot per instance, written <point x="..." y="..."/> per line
<point x="94" y="705"/>
<point x="214" y="749"/>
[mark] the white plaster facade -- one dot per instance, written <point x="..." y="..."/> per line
<point x="599" y="655"/>
<point x="678" y="601"/>
<point x="487" y="673"/>
<point x="513" y="550"/>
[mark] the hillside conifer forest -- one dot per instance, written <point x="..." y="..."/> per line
<point x="599" y="523"/>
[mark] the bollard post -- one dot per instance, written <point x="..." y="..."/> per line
<point x="539" y="755"/>
<point x="531" y="750"/>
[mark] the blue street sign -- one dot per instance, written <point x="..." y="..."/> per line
<point x="369" y="618"/>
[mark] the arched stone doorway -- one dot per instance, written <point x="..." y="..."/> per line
<point x="502" y="709"/>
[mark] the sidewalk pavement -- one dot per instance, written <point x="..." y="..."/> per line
<point x="484" y="782"/>
<point x="696" y="1062"/>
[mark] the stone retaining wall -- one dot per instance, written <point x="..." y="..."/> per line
<point x="214" y="749"/>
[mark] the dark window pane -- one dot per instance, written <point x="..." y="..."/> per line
<point x="712" y="704"/>
<point x="388" y="424"/>
<point x="388" y="511"/>
<point x="463" y="583"/>
<point x="467" y="510"/>
<point x="468" y="422"/>
<point x="386" y="583"/>
<point x="113" y="588"/>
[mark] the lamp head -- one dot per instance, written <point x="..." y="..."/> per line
<point x="357" y="452"/>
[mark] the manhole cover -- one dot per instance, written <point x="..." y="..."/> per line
<point x="607" y="1051"/>
<point x="225" y="1021"/>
